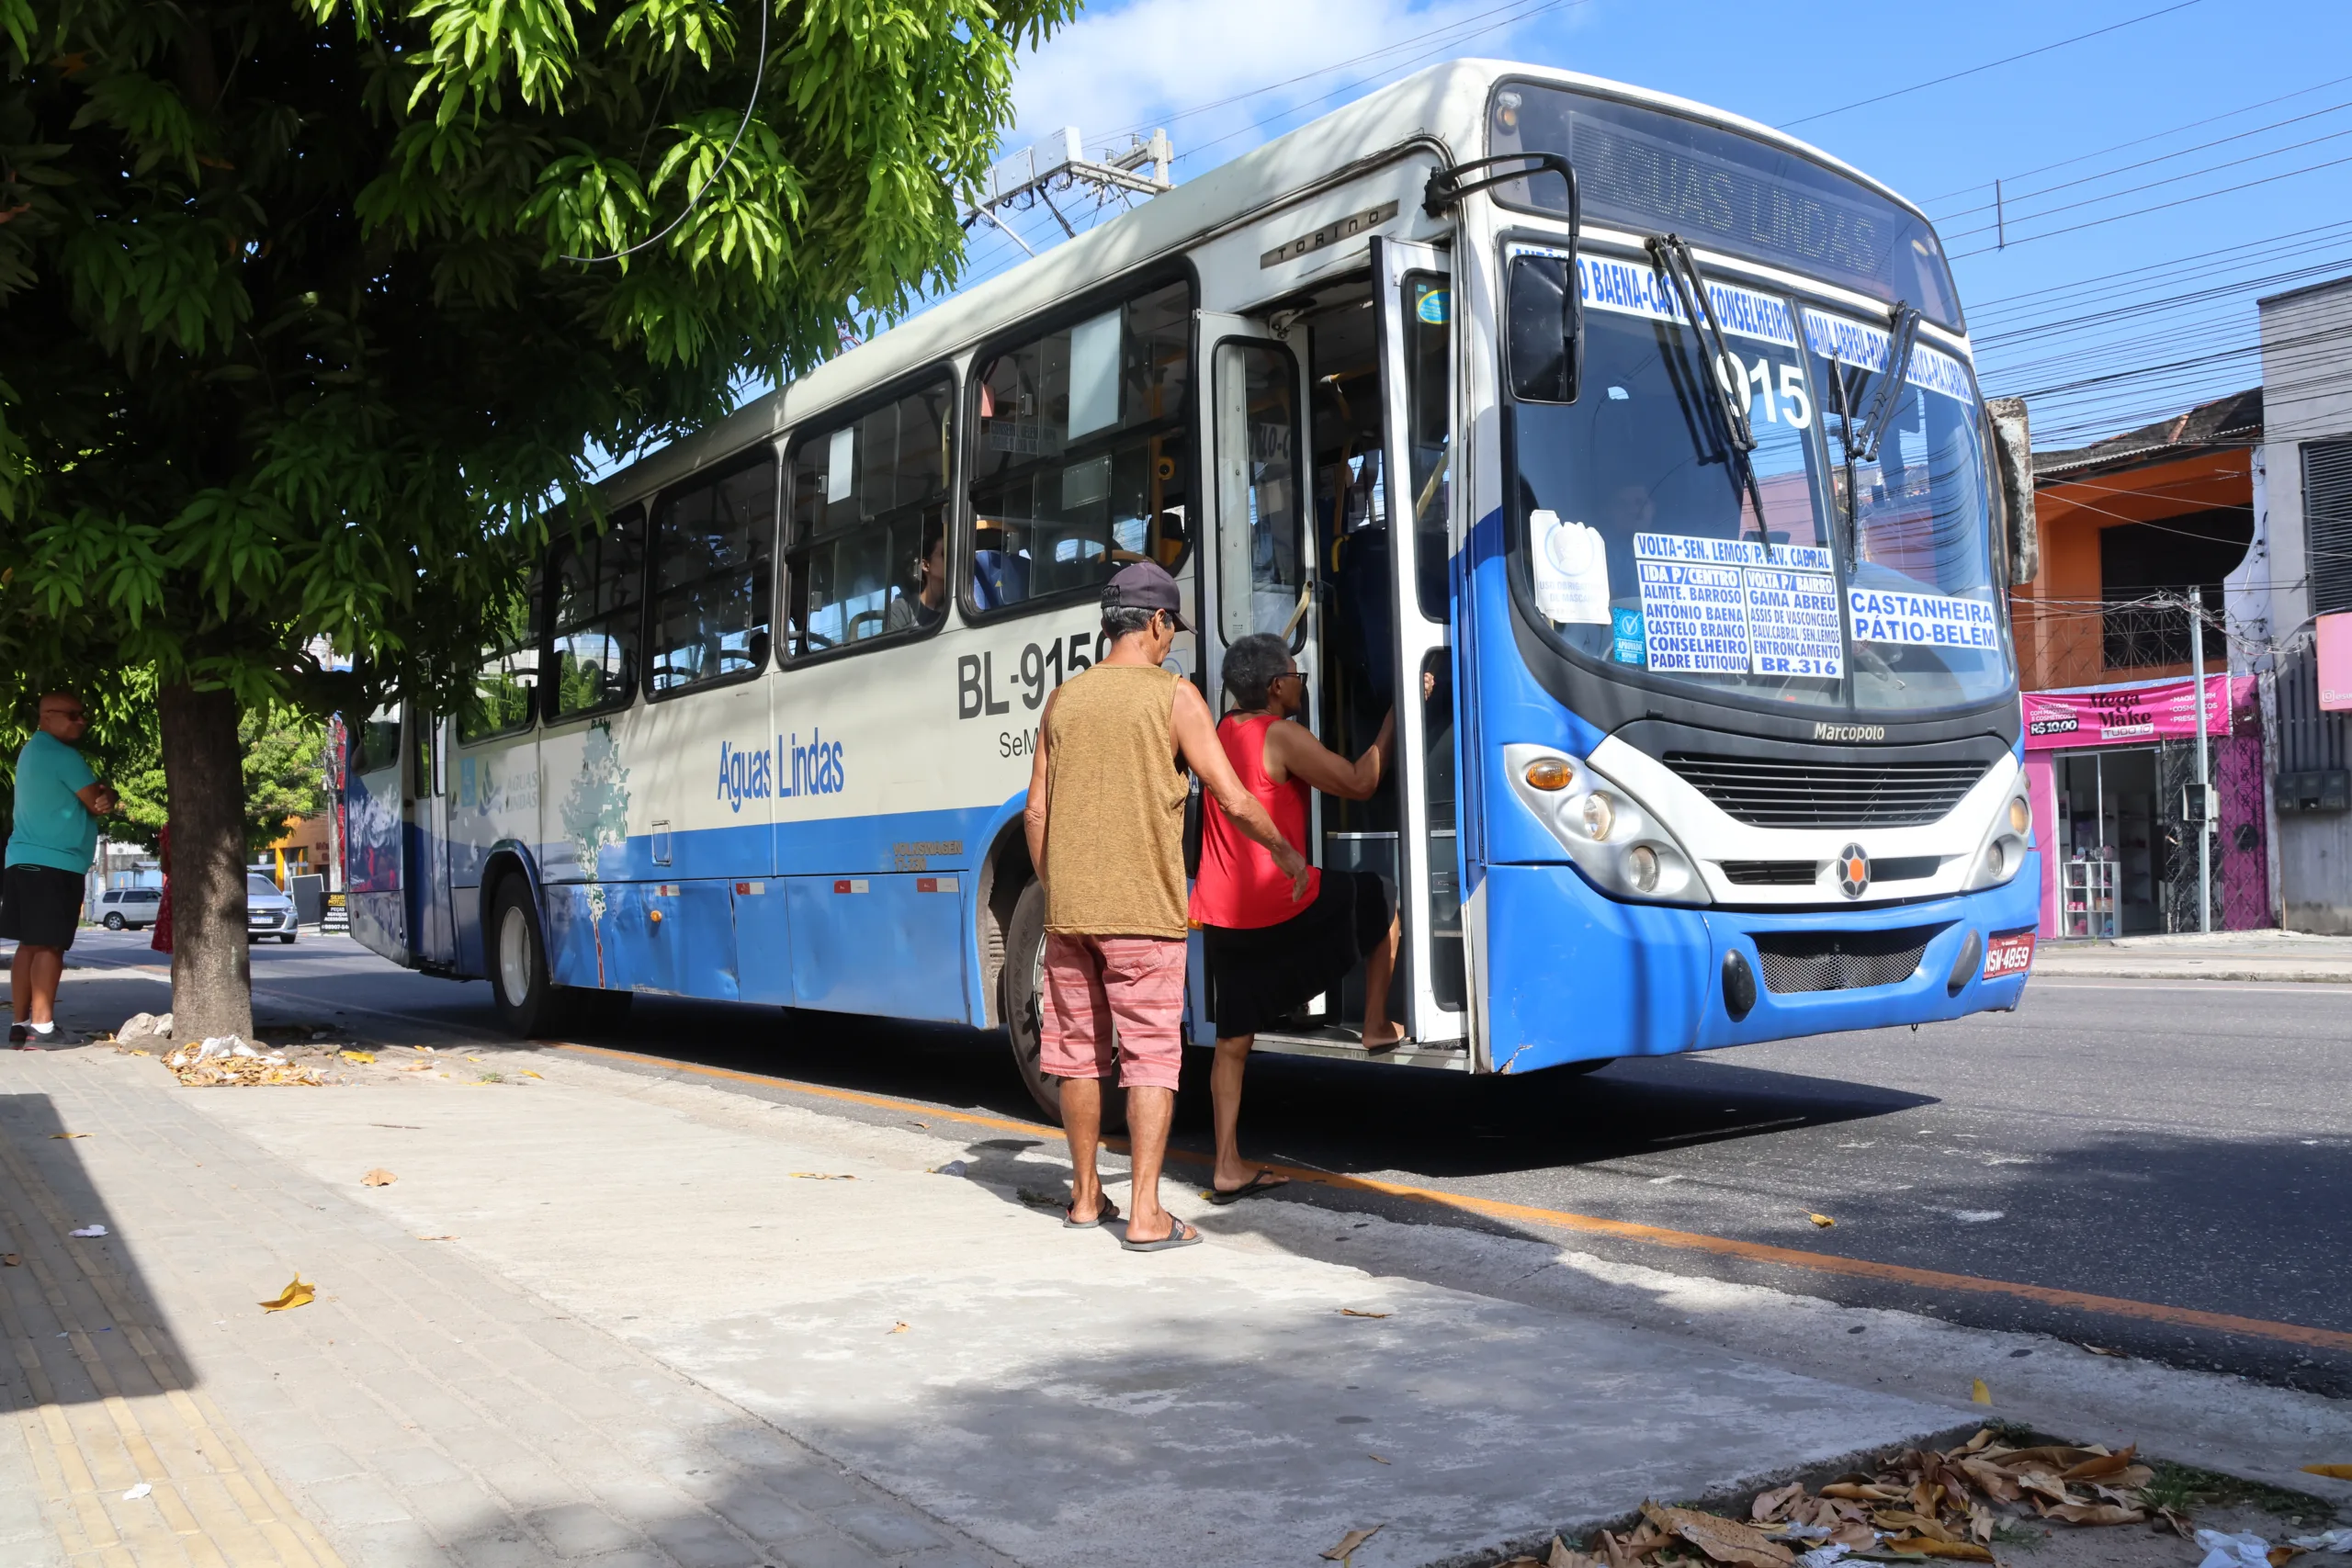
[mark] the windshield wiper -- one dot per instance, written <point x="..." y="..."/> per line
<point x="1670" y="254"/>
<point x="1904" y="337"/>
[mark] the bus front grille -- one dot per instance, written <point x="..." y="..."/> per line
<point x="1840" y="961"/>
<point x="1765" y="793"/>
<point x="1771" y="872"/>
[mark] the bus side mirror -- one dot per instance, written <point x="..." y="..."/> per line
<point x="1545" y="349"/>
<point x="2013" y="454"/>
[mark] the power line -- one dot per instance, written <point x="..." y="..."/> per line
<point x="1990" y="64"/>
<point x="2159" y="207"/>
<point x="2151" y="185"/>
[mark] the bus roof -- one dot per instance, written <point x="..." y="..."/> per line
<point x="1444" y="106"/>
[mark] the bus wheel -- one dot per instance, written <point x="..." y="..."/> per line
<point x="1023" y="997"/>
<point x="528" y="1002"/>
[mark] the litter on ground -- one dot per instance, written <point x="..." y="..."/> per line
<point x="298" y="1294"/>
<point x="1915" y="1505"/>
<point x="379" y="1177"/>
<point x="88" y="1231"/>
<point x="229" y="1059"/>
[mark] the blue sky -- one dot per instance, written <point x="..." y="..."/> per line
<point x="2187" y="89"/>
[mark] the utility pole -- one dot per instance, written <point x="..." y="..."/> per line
<point x="2000" y="220"/>
<point x="2204" y="787"/>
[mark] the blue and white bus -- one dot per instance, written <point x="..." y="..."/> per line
<point x="1629" y="449"/>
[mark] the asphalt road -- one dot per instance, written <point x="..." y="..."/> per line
<point x="2183" y="1145"/>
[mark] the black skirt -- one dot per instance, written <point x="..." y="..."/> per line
<point x="1259" y="977"/>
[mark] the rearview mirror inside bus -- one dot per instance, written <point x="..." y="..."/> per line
<point x="1546" y="329"/>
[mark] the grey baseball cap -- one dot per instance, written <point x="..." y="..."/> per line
<point x="1145" y="586"/>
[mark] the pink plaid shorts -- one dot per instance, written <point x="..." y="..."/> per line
<point x="1094" y="983"/>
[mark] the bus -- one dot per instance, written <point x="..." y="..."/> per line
<point x="1629" y="450"/>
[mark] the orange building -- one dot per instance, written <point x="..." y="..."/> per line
<point x="301" y="851"/>
<point x="2166" y="509"/>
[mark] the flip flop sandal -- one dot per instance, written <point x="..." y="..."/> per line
<point x="1183" y="1236"/>
<point x="1109" y="1216"/>
<point x="1264" y="1182"/>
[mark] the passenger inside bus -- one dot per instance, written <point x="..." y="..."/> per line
<point x="927" y="605"/>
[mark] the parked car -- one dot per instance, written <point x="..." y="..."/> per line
<point x="268" y="912"/>
<point x="129" y="909"/>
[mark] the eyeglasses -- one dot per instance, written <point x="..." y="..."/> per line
<point x="1289" y="675"/>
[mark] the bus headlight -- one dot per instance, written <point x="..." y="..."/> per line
<point x="2003" y="851"/>
<point x="1605" y="830"/>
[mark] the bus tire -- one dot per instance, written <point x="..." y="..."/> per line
<point x="529" y="1002"/>
<point x="1022" y="987"/>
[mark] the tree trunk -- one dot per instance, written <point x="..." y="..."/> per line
<point x="212" y="990"/>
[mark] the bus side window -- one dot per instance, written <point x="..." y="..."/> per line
<point x="377" y="742"/>
<point x="599" y="583"/>
<point x="505" y="691"/>
<point x="712" y="544"/>
<point x="866" y="557"/>
<point x="1080" y="464"/>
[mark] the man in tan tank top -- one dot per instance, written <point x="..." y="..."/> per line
<point x="1106" y="822"/>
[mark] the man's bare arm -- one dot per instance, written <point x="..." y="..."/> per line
<point x="1032" y="815"/>
<point x="1205" y="754"/>
<point x="98" y="798"/>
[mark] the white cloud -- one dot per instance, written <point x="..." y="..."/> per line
<point x="1138" y="64"/>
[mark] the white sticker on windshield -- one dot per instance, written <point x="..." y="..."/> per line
<point x="1792" y="623"/>
<point x="1922" y="620"/>
<point x="1571" y="570"/>
<point x="1636" y="289"/>
<point x="1866" y="347"/>
<point x="1803" y="557"/>
<point x="1694" y="617"/>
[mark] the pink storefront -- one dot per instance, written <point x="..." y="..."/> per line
<point x="2109" y="769"/>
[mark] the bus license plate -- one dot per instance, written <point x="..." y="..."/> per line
<point x="2010" y="955"/>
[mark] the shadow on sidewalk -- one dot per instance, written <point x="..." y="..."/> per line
<point x="84" y="1324"/>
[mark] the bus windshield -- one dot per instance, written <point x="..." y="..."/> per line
<point x="1866" y="584"/>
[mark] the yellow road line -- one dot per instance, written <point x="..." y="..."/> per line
<point x="1588" y="1224"/>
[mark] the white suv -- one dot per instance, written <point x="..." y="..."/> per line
<point x="129" y="909"/>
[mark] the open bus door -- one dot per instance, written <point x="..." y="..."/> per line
<point x="1413" y="304"/>
<point x="375" y="847"/>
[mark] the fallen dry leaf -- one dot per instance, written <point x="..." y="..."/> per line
<point x="1351" y="1312"/>
<point x="1375" y="1459"/>
<point x="1928" y="1546"/>
<point x="364" y="1058"/>
<point x="2333" y="1472"/>
<point x="897" y="1328"/>
<point x="1824" y="1221"/>
<point x="418" y="1067"/>
<point x="1979" y="1393"/>
<point x="1726" y="1540"/>
<point x="1562" y="1557"/>
<point x="69" y="1135"/>
<point x="2280" y="1556"/>
<point x="473" y="1058"/>
<point x="379" y="1177"/>
<point x="817" y="1176"/>
<point x="1768" y="1505"/>
<point x="426" y="1050"/>
<point x="2103" y="1351"/>
<point x="294" y="1295"/>
<point x="2095" y="1514"/>
<point x="1349" y="1542"/>
<point x="529" y="1074"/>
<point x="436" y="1238"/>
<point x="10" y="1260"/>
<point x="2100" y="1466"/>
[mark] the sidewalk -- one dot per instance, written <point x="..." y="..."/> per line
<point x="2223" y="956"/>
<point x="603" y="1318"/>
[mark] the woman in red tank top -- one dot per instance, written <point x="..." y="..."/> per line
<point x="1269" y="954"/>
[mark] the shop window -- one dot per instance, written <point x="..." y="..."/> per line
<point x="599" y="587"/>
<point x="1078" y="464"/>
<point x="712" y="550"/>
<point x="869" y="516"/>
<point x="2141" y="561"/>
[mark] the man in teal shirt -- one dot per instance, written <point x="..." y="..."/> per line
<point x="59" y="802"/>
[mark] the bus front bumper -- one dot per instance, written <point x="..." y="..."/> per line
<point x="1574" y="975"/>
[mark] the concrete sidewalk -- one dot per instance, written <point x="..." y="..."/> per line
<point x="2222" y="956"/>
<point x="606" y="1318"/>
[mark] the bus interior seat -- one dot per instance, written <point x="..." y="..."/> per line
<point x="1000" y="578"/>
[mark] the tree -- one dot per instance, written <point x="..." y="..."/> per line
<point x="282" y="753"/>
<point x="313" y="309"/>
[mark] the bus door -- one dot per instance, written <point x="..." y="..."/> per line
<point x="424" y="859"/>
<point x="1256" y="563"/>
<point x="375" y="835"/>
<point x="1413" y="306"/>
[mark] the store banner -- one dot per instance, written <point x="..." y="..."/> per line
<point x="2122" y="716"/>
<point x="2335" y="663"/>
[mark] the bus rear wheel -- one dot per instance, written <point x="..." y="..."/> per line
<point x="1021" y="999"/>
